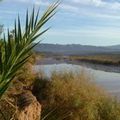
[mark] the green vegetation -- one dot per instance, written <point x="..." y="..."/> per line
<point x="22" y="82"/>
<point x="63" y="96"/>
<point x="14" y="52"/>
<point x="1" y="29"/>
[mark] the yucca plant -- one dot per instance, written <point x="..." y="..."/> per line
<point x="15" y="52"/>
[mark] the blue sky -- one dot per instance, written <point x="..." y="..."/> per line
<point x="88" y="22"/>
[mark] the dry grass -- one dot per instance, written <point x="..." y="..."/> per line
<point x="113" y="59"/>
<point x="23" y="81"/>
<point x="64" y="96"/>
<point x="69" y="96"/>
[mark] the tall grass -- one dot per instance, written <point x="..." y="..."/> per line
<point x="70" y="96"/>
<point x="104" y="59"/>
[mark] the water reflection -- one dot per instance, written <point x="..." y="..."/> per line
<point x="108" y="80"/>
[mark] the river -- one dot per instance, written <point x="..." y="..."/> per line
<point x="110" y="81"/>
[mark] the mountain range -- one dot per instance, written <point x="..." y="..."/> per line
<point x="76" y="49"/>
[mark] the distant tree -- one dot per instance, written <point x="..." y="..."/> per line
<point x="12" y="34"/>
<point x="1" y="29"/>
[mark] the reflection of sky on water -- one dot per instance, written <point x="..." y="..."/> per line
<point x="108" y="80"/>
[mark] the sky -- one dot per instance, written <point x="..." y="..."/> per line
<point x="87" y="22"/>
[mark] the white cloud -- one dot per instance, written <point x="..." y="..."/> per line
<point x="95" y="14"/>
<point x="36" y="2"/>
<point x="75" y="7"/>
<point x="89" y="2"/>
<point x="98" y="3"/>
<point x="96" y="32"/>
<point x="39" y="2"/>
<point x="69" y="7"/>
<point x="8" y="12"/>
<point x="22" y="0"/>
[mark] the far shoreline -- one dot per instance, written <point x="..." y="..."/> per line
<point x="95" y="66"/>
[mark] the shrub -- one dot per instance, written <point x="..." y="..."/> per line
<point x="69" y="96"/>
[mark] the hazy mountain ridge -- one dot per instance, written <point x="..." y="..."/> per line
<point x="76" y="49"/>
<point x="114" y="47"/>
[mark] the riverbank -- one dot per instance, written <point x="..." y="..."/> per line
<point x="96" y="66"/>
<point x="74" y="96"/>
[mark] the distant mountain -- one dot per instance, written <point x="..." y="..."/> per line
<point x="114" y="47"/>
<point x="76" y="49"/>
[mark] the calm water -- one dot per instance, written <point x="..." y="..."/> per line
<point x="108" y="80"/>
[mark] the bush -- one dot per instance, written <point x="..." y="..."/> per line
<point x="69" y="96"/>
<point x="22" y="82"/>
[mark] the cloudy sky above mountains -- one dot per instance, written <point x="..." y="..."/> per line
<point x="94" y="22"/>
